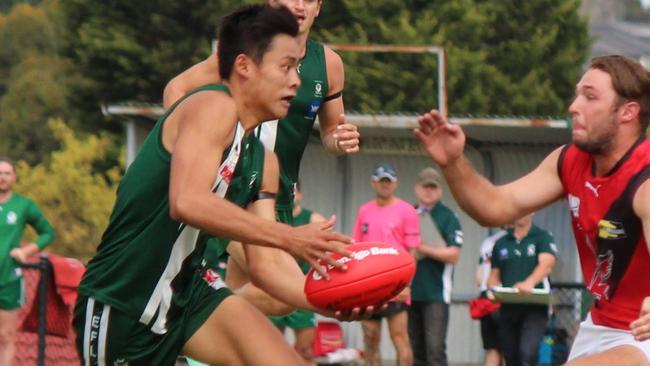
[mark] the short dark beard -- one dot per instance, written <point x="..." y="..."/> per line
<point x="602" y="143"/>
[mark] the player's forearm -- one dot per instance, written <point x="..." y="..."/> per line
<point x="263" y="301"/>
<point x="278" y="273"/>
<point x="479" y="198"/>
<point x="222" y="218"/>
<point x="539" y="273"/>
<point x="445" y="254"/>
<point x="29" y="249"/>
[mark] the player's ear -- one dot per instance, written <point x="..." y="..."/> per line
<point x="630" y="111"/>
<point x="242" y="65"/>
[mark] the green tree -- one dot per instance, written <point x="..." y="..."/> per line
<point x="75" y="199"/>
<point x="35" y="82"/>
<point x="504" y="57"/>
<point x="130" y="49"/>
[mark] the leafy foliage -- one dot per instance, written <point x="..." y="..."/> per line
<point x="75" y="199"/>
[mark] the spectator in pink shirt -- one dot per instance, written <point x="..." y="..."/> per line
<point x="388" y="219"/>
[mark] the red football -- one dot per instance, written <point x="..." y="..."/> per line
<point x="376" y="273"/>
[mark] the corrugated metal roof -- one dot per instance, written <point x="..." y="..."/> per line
<point x="627" y="38"/>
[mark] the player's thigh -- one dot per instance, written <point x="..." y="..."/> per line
<point x="238" y="334"/>
<point x="618" y="356"/>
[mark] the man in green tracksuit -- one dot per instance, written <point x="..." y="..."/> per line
<point x="147" y="295"/>
<point x="16" y="212"/>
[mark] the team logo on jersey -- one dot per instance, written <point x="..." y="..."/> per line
<point x="593" y="188"/>
<point x="318" y="89"/>
<point x="212" y="278"/>
<point x="312" y="110"/>
<point x="530" y="250"/>
<point x="12" y="218"/>
<point x="503" y="253"/>
<point x="364" y="228"/>
<point x="574" y="206"/>
<point x="611" y="230"/>
<point x="600" y="285"/>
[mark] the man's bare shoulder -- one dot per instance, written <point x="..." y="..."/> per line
<point x="214" y="103"/>
<point x="333" y="61"/>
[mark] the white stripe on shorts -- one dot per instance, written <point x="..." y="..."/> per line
<point x="103" y="329"/>
<point x="90" y="305"/>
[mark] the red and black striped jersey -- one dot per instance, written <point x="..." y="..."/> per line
<point x="609" y="235"/>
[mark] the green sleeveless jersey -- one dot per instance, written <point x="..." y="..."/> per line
<point x="15" y="214"/>
<point x="145" y="260"/>
<point x="288" y="137"/>
<point x="303" y="218"/>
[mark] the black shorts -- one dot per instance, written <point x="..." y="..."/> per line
<point x="392" y="309"/>
<point x="490" y="331"/>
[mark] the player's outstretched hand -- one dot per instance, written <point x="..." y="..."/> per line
<point x="316" y="242"/>
<point x="442" y="141"/>
<point x="641" y="327"/>
<point x="346" y="136"/>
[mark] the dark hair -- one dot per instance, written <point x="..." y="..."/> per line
<point x="631" y="82"/>
<point x="4" y="159"/>
<point x="250" y="30"/>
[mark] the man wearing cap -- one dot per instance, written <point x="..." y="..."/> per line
<point x="442" y="237"/>
<point x="392" y="220"/>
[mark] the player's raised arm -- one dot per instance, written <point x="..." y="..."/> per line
<point x="204" y="72"/>
<point x="338" y="136"/>
<point x="444" y="143"/>
<point x="197" y="139"/>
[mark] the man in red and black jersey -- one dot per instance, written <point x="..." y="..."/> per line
<point x="605" y="176"/>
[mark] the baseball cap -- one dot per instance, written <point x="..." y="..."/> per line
<point x="428" y="176"/>
<point x="384" y="171"/>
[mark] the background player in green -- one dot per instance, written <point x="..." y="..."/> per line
<point x="16" y="211"/>
<point x="303" y="322"/>
<point x="145" y="295"/>
<point x="322" y="76"/>
<point x="522" y="259"/>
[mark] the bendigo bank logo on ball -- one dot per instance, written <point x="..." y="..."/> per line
<point x="358" y="256"/>
<point x="376" y="272"/>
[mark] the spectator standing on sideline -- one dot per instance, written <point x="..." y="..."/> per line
<point x="522" y="259"/>
<point x="16" y="212"/>
<point x="442" y="239"/>
<point x="489" y="325"/>
<point x="392" y="220"/>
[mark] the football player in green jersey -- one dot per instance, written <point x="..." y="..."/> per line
<point x="16" y="211"/>
<point x="146" y="295"/>
<point x="322" y="76"/>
